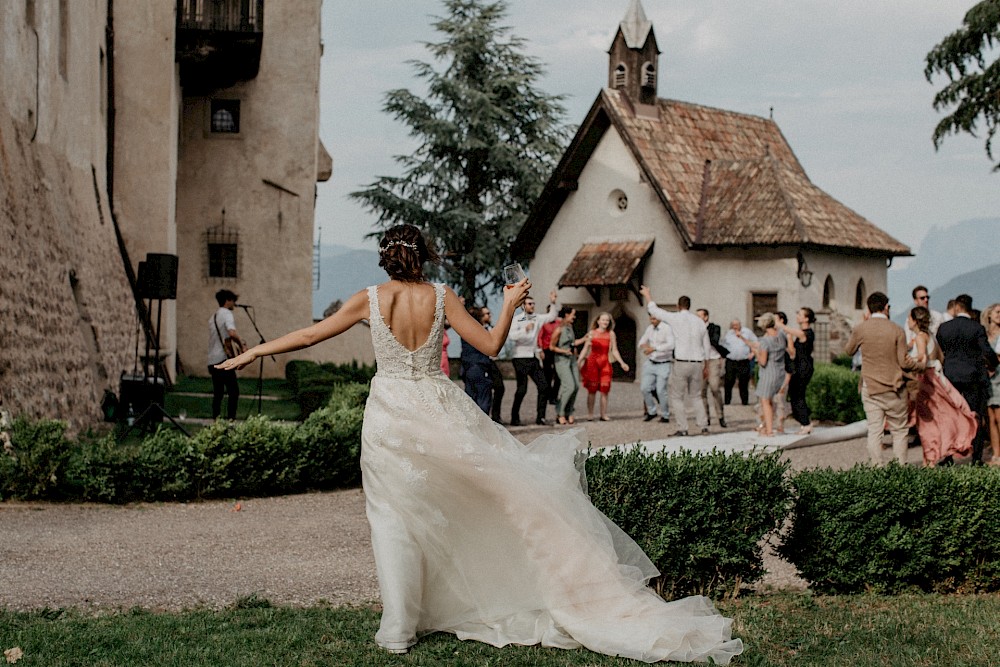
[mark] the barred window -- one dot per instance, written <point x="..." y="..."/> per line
<point x="222" y="260"/>
<point x="222" y="255"/>
<point x="226" y="116"/>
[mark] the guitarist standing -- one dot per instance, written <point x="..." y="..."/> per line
<point x="224" y="343"/>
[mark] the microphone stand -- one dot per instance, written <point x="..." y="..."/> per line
<point x="260" y="367"/>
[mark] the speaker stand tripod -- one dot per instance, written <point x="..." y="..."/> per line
<point x="154" y="408"/>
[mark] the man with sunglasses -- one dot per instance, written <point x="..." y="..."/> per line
<point x="921" y="297"/>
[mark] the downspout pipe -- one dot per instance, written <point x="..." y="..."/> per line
<point x="140" y="305"/>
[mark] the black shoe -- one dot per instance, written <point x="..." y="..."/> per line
<point x="946" y="461"/>
<point x="498" y="420"/>
<point x="704" y="431"/>
<point x="681" y="434"/>
<point x="722" y="422"/>
<point x="515" y="422"/>
<point x="664" y="420"/>
<point x="649" y="417"/>
<point x="541" y="422"/>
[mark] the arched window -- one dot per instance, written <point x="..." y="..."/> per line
<point x="620" y="73"/>
<point x="648" y="76"/>
<point x="860" y="295"/>
<point x="829" y="295"/>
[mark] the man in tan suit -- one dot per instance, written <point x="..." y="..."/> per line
<point x="884" y="358"/>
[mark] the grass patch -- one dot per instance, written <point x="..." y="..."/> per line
<point x="277" y="387"/>
<point x="792" y="629"/>
<point x="200" y="407"/>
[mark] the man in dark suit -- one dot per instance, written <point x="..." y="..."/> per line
<point x="968" y="361"/>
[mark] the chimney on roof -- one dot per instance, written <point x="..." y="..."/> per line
<point x="633" y="63"/>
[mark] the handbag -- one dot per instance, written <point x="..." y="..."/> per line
<point x="230" y="345"/>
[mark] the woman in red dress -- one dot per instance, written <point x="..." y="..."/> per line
<point x="600" y="350"/>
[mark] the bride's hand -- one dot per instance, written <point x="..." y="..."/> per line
<point x="238" y="362"/>
<point x="516" y="294"/>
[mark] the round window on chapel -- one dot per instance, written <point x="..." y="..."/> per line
<point x="617" y="203"/>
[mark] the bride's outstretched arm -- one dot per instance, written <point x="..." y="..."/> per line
<point x="352" y="312"/>
<point x="488" y="342"/>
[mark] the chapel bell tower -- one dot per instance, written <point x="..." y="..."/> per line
<point x="633" y="63"/>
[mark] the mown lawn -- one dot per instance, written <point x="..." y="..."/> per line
<point x="284" y="408"/>
<point x="783" y="629"/>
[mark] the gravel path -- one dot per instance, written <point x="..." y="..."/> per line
<point x="293" y="550"/>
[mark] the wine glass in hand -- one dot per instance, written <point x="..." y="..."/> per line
<point x="513" y="274"/>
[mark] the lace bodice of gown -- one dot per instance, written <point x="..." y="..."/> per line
<point x="395" y="360"/>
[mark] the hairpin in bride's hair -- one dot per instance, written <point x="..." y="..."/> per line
<point x="405" y="244"/>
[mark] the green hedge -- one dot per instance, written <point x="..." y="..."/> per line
<point x="832" y="395"/>
<point x="313" y="384"/>
<point x="896" y="528"/>
<point x="699" y="517"/>
<point x="228" y="459"/>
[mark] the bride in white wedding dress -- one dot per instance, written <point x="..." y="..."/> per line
<point x="475" y="533"/>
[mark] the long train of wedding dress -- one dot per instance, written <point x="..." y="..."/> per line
<point x="479" y="535"/>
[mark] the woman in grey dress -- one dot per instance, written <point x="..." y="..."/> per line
<point x="770" y="353"/>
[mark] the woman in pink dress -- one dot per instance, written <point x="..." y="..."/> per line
<point x="944" y="421"/>
<point x="445" y="366"/>
<point x="600" y="350"/>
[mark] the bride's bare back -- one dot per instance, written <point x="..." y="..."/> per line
<point x="408" y="310"/>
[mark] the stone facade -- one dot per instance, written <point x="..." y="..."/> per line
<point x="100" y="138"/>
<point x="67" y="322"/>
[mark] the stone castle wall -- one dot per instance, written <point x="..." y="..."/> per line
<point x="67" y="318"/>
<point x="67" y="321"/>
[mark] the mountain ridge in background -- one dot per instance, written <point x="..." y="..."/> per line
<point x="342" y="272"/>
<point x="945" y="254"/>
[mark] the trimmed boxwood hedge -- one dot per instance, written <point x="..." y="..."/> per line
<point x="700" y="518"/>
<point x="896" y="528"/>
<point x="228" y="459"/>
<point x="833" y="395"/>
<point x="313" y="384"/>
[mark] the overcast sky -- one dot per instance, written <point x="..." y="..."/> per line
<point x="845" y="79"/>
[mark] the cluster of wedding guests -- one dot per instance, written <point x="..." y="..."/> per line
<point x="937" y="378"/>
<point x="689" y="365"/>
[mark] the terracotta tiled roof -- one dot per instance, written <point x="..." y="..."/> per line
<point x="606" y="262"/>
<point x="763" y="201"/>
<point x="757" y="193"/>
<point x="725" y="179"/>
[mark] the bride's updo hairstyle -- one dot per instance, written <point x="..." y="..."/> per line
<point x="402" y="253"/>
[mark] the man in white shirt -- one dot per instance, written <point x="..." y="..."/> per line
<point x="737" y="340"/>
<point x="524" y="334"/>
<point x="691" y="350"/>
<point x="657" y="343"/>
<point x="222" y="325"/>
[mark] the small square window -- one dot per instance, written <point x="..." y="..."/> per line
<point x="222" y="260"/>
<point x="225" y="116"/>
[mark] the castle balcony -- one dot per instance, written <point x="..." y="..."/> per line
<point x="218" y="43"/>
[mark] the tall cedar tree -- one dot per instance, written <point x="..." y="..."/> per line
<point x="488" y="140"/>
<point x="974" y="82"/>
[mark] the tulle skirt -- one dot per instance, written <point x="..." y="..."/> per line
<point x="476" y="534"/>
